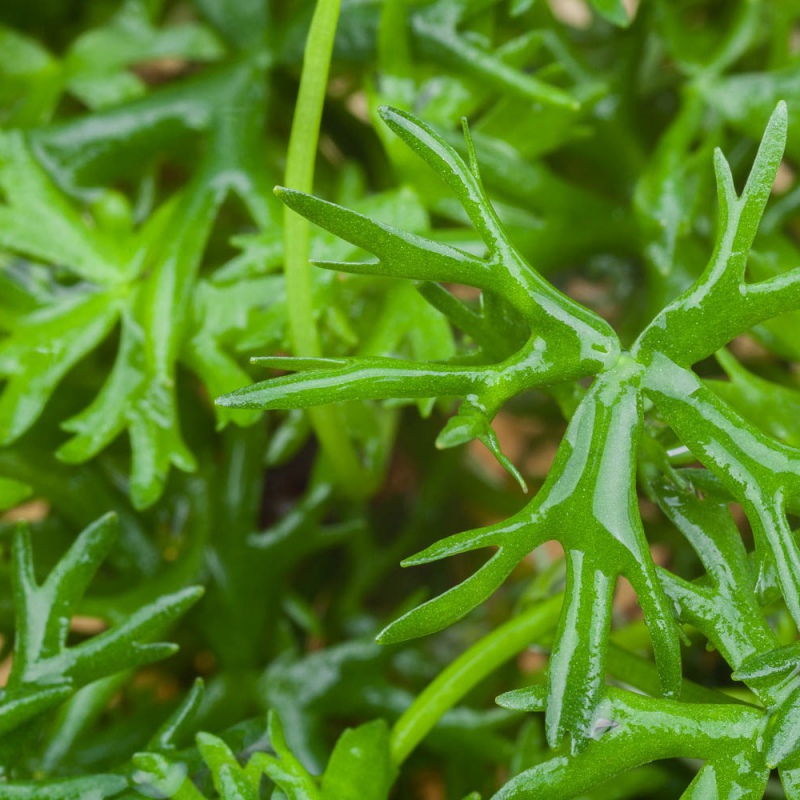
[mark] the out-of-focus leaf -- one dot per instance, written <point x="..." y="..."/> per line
<point x="45" y="670"/>
<point x="12" y="493"/>
<point x="613" y="10"/>
<point x="95" y="66"/>
<point x="360" y="766"/>
<point x="775" y="409"/>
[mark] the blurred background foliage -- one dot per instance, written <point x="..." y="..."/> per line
<point x="140" y="268"/>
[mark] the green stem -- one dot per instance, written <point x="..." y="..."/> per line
<point x="394" y="51"/>
<point x="327" y="421"/>
<point x="467" y="670"/>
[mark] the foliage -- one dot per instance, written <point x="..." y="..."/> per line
<point x="517" y="205"/>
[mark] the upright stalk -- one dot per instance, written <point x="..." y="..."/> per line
<point x="327" y="421"/>
<point x="469" y="669"/>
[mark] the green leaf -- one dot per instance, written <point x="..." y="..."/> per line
<point x="721" y="293"/>
<point x="94" y="787"/>
<point x="360" y="765"/>
<point x="154" y="771"/>
<point x="12" y="493"/>
<point x="26" y="704"/>
<point x="95" y="64"/>
<point x="782" y="738"/>
<point x="630" y="730"/>
<point x="173" y="729"/>
<point x="286" y="770"/>
<point x="33" y="204"/>
<point x="245" y="23"/>
<point x="43" y="348"/>
<point x="139" y="400"/>
<point x="234" y="786"/>
<point x="218" y="756"/>
<point x="471" y="422"/>
<point x="45" y="669"/>
<point x="30" y="80"/>
<point x="435" y="30"/>
<point x="531" y="698"/>
<point x="612" y="10"/>
<point x="775" y="409"/>
<point x="758" y="471"/>
<point x="781" y="660"/>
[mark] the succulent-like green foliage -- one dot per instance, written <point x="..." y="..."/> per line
<point x="557" y="293"/>
<point x="359" y="766"/>
<point x="60" y="329"/>
<point x="121" y="273"/>
<point x="46" y="671"/>
<point x="738" y="743"/>
<point x="589" y="500"/>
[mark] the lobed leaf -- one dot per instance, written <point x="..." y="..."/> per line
<point x="44" y="346"/>
<point x="720" y="293"/>
<point x="45" y="671"/>
<point x="630" y="730"/>
<point x="455" y="603"/>
<point x="400" y="254"/>
<point x="435" y="30"/>
<point x="758" y="471"/>
<point x="354" y="379"/>
<point x="35" y="204"/>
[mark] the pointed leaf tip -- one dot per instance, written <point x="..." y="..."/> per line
<point x="614" y="11"/>
<point x="387" y="112"/>
<point x="472" y="156"/>
<point x="403" y="123"/>
<point x="109" y="518"/>
<point x="192" y="593"/>
<point x="289" y="197"/>
<point x="282" y="192"/>
<point x="778" y="124"/>
<point x="531" y="699"/>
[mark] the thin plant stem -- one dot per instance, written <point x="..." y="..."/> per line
<point x="394" y="52"/>
<point x="471" y="667"/>
<point x="326" y="421"/>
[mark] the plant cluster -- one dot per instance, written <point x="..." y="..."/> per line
<point x="511" y="228"/>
